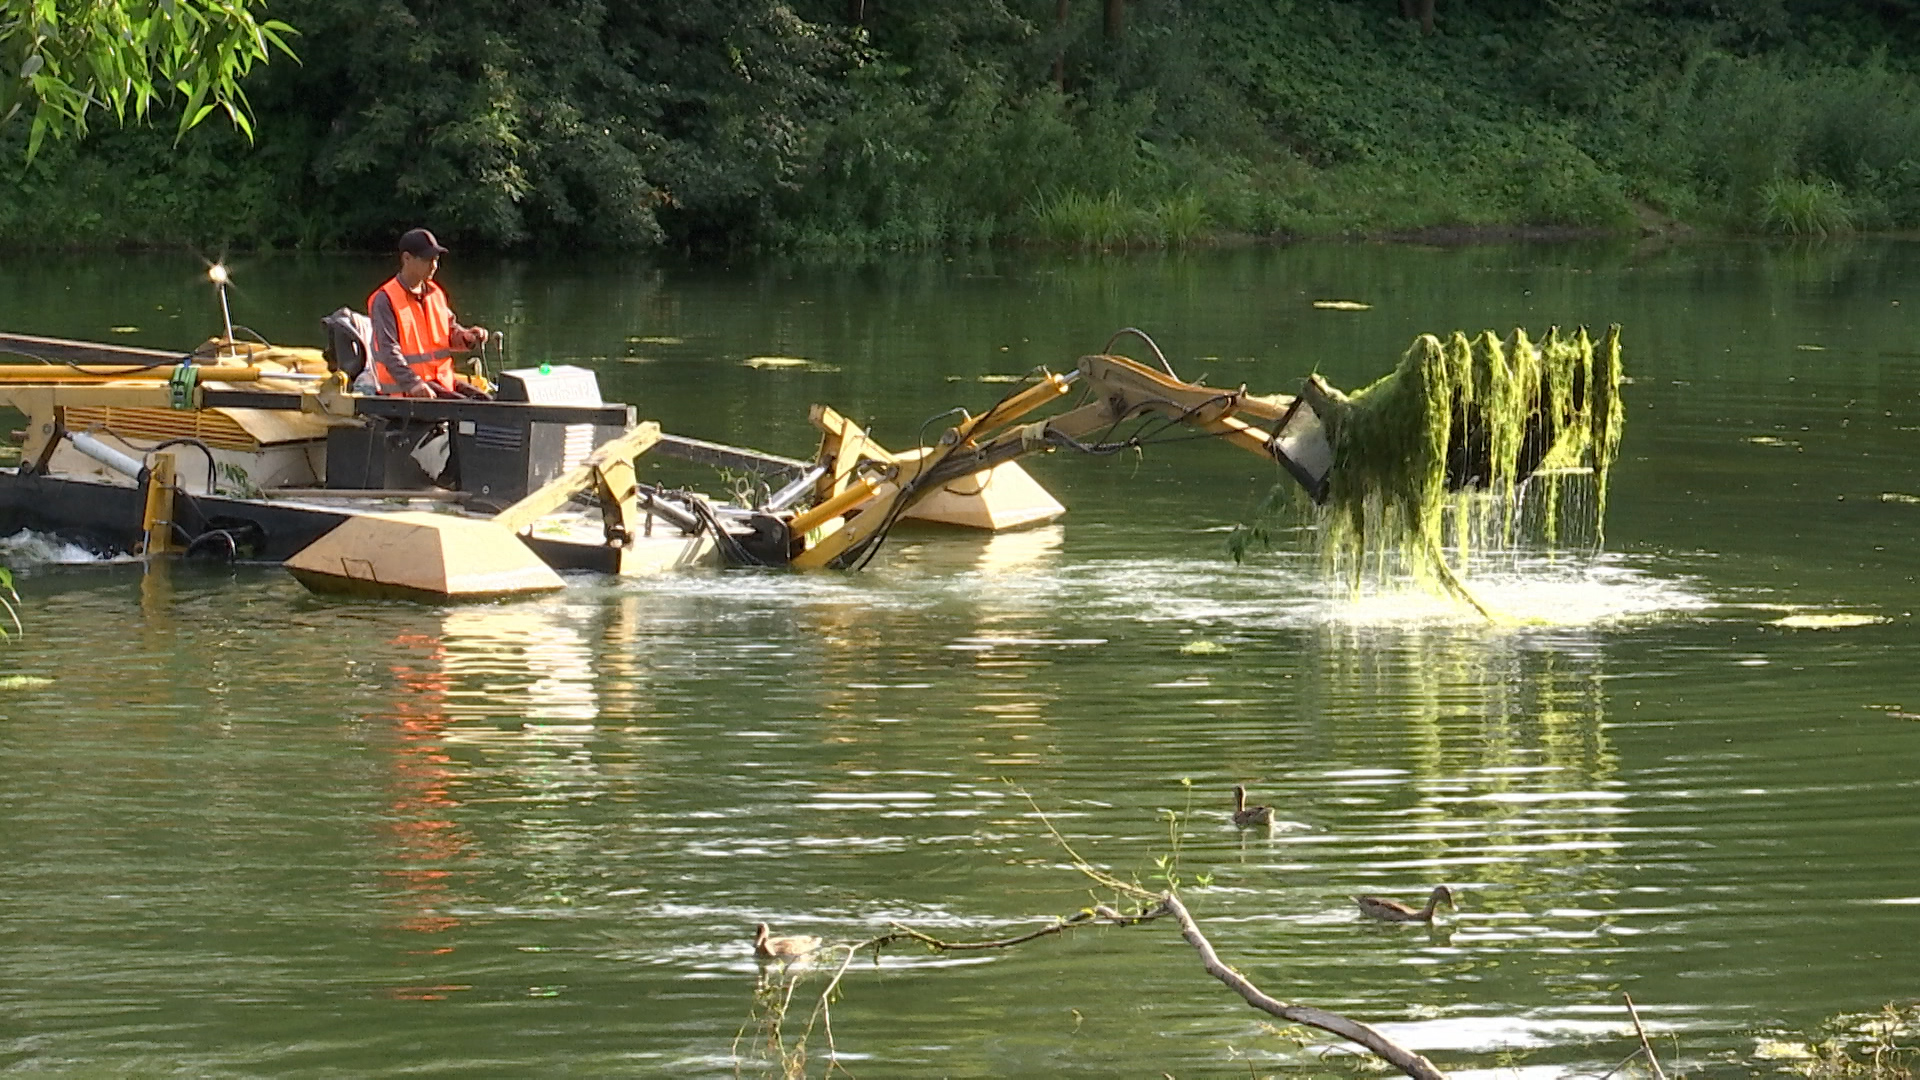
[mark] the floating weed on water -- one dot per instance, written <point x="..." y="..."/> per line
<point x="1838" y="620"/>
<point x="23" y="682"/>
<point x="1204" y="648"/>
<point x="657" y="340"/>
<point x="1781" y="1050"/>
<point x="786" y="363"/>
<point x="1811" y="348"/>
<point x="1769" y="440"/>
<point x="1342" y="305"/>
<point x="1868" y="1046"/>
<point x="125" y="329"/>
<point x="1899" y="497"/>
<point x="1001" y="379"/>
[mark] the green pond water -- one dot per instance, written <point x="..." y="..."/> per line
<point x="245" y="831"/>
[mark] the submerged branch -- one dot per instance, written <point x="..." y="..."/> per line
<point x="1153" y="906"/>
<point x="1168" y="903"/>
<point x="1083" y="917"/>
<point x="1399" y="1057"/>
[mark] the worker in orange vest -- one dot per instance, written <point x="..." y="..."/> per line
<point x="414" y="331"/>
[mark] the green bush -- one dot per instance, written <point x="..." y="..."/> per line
<point x="748" y="123"/>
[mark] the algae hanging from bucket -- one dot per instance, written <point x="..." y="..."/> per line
<point x="1467" y="444"/>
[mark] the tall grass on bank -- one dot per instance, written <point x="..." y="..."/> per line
<point x="1806" y="208"/>
<point x="1076" y="219"/>
<point x="1775" y="144"/>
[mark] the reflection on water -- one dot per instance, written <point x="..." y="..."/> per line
<point x="428" y="845"/>
<point x="498" y="651"/>
<point x="249" y="830"/>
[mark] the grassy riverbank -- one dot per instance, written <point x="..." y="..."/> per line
<point x="763" y="124"/>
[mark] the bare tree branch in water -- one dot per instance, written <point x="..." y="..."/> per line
<point x="1152" y="906"/>
<point x="1645" y="1046"/>
<point x="1399" y="1057"/>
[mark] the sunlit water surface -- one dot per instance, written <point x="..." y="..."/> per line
<point x="247" y="831"/>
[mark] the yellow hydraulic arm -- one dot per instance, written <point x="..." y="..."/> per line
<point x="1118" y="389"/>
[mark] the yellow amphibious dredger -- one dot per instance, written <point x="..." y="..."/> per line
<point x="251" y="452"/>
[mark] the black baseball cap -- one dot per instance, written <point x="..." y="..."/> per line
<point x="420" y="244"/>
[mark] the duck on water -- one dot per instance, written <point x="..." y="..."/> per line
<point x="1250" y="817"/>
<point x="1379" y="907"/>
<point x="768" y="947"/>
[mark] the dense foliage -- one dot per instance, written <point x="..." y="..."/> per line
<point x="840" y="123"/>
<point x="69" y="59"/>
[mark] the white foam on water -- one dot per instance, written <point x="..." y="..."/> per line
<point x="1538" y="594"/>
<point x="29" y="548"/>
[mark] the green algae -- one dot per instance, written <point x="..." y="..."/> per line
<point x="1432" y="460"/>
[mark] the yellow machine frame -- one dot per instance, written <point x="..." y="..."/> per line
<point x="865" y="489"/>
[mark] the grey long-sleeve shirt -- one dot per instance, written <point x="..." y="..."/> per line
<point x="386" y="341"/>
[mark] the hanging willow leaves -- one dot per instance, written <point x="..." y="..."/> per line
<point x="58" y="61"/>
<point x="1456" y="433"/>
<point x="8" y="598"/>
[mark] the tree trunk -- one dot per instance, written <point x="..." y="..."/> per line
<point x="1115" y="13"/>
<point x="856" y="12"/>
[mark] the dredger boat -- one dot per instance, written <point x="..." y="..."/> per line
<point x="255" y="452"/>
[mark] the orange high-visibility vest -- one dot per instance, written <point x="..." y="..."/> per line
<point x="426" y="333"/>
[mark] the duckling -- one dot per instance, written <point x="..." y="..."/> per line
<point x="782" y="948"/>
<point x="1250" y="817"/>
<point x="1375" y="907"/>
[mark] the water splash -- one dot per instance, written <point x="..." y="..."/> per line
<point x="29" y="548"/>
